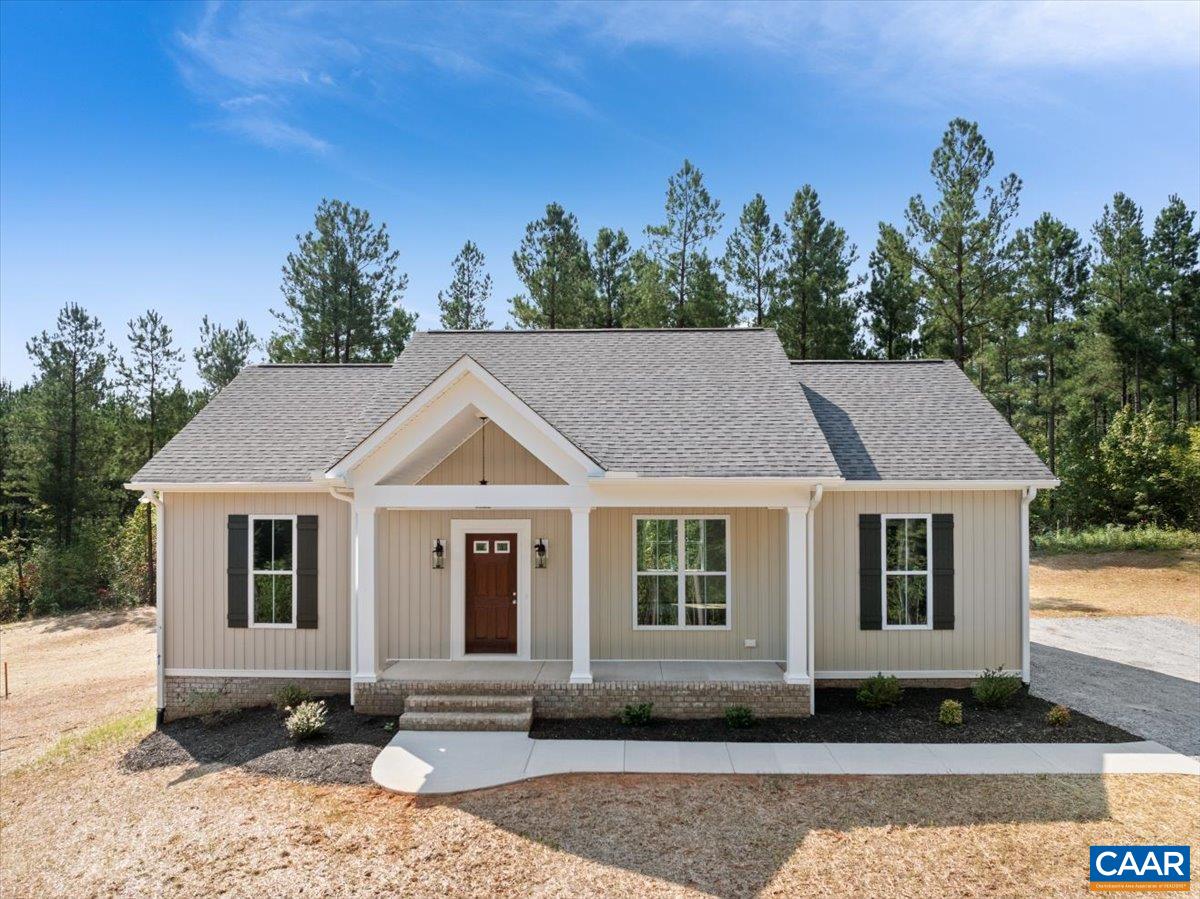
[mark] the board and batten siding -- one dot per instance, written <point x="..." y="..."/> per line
<point x="196" y="586"/>
<point x="987" y="585"/>
<point x="757" y="583"/>
<point x="507" y="462"/>
<point x="413" y="599"/>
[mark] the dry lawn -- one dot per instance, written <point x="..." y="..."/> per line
<point x="77" y="826"/>
<point x="1120" y="583"/>
<point x="71" y="673"/>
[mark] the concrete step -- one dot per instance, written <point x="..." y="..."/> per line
<point x="517" y="721"/>
<point x="450" y="702"/>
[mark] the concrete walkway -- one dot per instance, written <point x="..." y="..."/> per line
<point x="432" y="762"/>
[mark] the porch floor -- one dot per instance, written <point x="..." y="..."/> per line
<point x="555" y="672"/>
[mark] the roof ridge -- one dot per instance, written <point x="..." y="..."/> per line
<point x="870" y="361"/>
<point x="328" y="366"/>
<point x="445" y="331"/>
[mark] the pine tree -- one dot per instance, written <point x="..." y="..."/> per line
<point x="464" y="303"/>
<point x="150" y="377"/>
<point x="958" y="247"/>
<point x="1052" y="284"/>
<point x="1127" y="313"/>
<point x="613" y="278"/>
<point x="553" y="263"/>
<point x="222" y="352"/>
<point x="1175" y="274"/>
<point x="815" y="309"/>
<point x="892" y="308"/>
<point x="342" y="291"/>
<point x="650" y="295"/>
<point x="753" y="255"/>
<point x="64" y="468"/>
<point x="692" y="219"/>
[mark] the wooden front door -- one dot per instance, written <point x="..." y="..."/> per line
<point x="491" y="593"/>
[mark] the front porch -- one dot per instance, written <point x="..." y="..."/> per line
<point x="677" y="689"/>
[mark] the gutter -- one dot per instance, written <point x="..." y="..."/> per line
<point x="347" y="496"/>
<point x="151" y="498"/>
<point x="1027" y="497"/>
<point x="818" y="492"/>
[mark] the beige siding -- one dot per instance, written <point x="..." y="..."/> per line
<point x="758" y="565"/>
<point x="413" y="600"/>
<point x="507" y="462"/>
<point x="195" y="582"/>
<point x="987" y="585"/>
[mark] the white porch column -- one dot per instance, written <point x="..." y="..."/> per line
<point x="797" y="596"/>
<point x="362" y="625"/>
<point x="581" y="607"/>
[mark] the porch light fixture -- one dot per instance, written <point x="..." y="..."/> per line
<point x="483" y="449"/>
<point x="539" y="553"/>
<point x="439" y="553"/>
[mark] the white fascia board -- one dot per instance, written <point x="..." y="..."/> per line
<point x="774" y="493"/>
<point x="502" y="400"/>
<point x="231" y="486"/>
<point x="946" y="485"/>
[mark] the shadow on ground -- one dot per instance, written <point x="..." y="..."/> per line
<point x="255" y="740"/>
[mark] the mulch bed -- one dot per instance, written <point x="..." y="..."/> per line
<point x="256" y="741"/>
<point x="840" y="719"/>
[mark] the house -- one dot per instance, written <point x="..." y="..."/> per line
<point x="586" y="519"/>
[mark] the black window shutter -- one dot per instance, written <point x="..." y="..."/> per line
<point x="306" y="571"/>
<point x="238" y="530"/>
<point x="870" y="574"/>
<point x="943" y="572"/>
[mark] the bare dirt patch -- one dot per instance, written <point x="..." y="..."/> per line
<point x="71" y="673"/>
<point x="83" y="827"/>
<point x="1117" y="583"/>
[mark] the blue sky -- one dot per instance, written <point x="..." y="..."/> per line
<point x="166" y="155"/>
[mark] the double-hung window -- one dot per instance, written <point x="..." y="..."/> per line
<point x="681" y="572"/>
<point x="907" y="592"/>
<point x="272" y="571"/>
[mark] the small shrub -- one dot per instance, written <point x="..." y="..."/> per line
<point x="1058" y="716"/>
<point x="289" y="696"/>
<point x="207" y="705"/>
<point x="1111" y="538"/>
<point x="306" y="720"/>
<point x="879" y="691"/>
<point x="950" y="713"/>
<point x="996" y="687"/>
<point x="637" y="714"/>
<point x="739" y="716"/>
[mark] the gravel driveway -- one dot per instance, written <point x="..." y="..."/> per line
<point x="1142" y="674"/>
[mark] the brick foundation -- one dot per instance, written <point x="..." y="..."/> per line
<point x="199" y="695"/>
<point x="703" y="699"/>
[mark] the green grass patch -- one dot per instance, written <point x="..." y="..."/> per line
<point x="114" y="731"/>
<point x="1114" y="538"/>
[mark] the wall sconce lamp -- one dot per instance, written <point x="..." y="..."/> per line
<point x="439" y="554"/>
<point x="539" y="552"/>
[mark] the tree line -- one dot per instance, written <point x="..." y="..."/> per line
<point x="1087" y="343"/>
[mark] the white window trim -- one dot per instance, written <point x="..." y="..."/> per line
<point x="682" y="574"/>
<point x="487" y="547"/>
<point x="928" y="572"/>
<point x="276" y="573"/>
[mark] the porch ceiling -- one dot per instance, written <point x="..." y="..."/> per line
<point x="555" y="672"/>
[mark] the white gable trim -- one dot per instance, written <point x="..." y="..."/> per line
<point x="465" y="383"/>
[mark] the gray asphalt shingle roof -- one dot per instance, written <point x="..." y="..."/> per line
<point x="700" y="403"/>
<point x="274" y="423"/>
<point x="913" y="421"/>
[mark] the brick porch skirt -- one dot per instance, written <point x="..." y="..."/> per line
<point x="702" y="699"/>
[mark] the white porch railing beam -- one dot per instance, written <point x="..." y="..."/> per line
<point x="797" y="596"/>
<point x="581" y="607"/>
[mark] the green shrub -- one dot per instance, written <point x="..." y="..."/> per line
<point x="306" y="720"/>
<point x="637" y="714"/>
<point x="996" y="687"/>
<point x="289" y="696"/>
<point x="131" y="581"/>
<point x="70" y="578"/>
<point x="950" y="713"/>
<point x="1112" y="538"/>
<point x="879" y="691"/>
<point x="209" y="707"/>
<point x="1058" y="716"/>
<point x="739" y="716"/>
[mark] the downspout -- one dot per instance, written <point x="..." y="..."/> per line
<point x="812" y="602"/>
<point x="160" y="685"/>
<point x="1027" y="497"/>
<point x="348" y="497"/>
